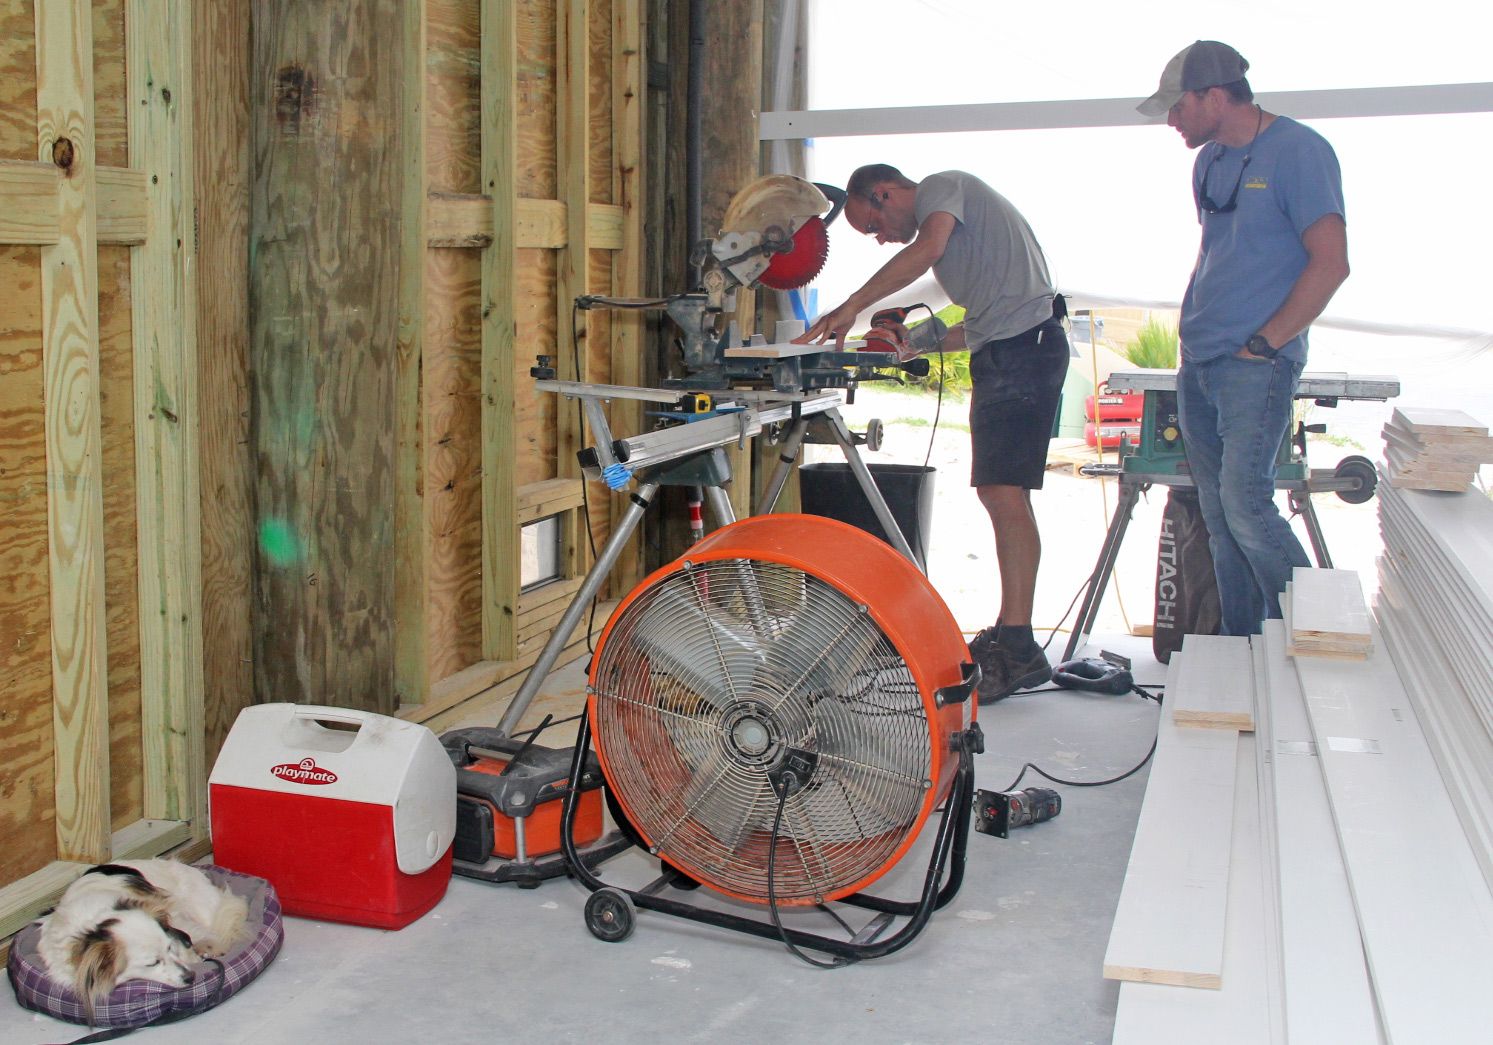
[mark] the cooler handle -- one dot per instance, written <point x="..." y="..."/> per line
<point x="304" y="716"/>
<point x="351" y="716"/>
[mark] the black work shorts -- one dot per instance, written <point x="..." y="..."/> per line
<point x="1017" y="384"/>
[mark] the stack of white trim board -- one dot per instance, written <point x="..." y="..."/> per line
<point x="1298" y="872"/>
<point x="1430" y="449"/>
<point x="1436" y="612"/>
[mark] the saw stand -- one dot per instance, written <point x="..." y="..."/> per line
<point x="691" y="454"/>
<point x="1161" y="461"/>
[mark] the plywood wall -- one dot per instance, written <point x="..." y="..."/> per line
<point x="99" y="686"/>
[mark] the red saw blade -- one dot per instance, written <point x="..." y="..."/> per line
<point x="801" y="264"/>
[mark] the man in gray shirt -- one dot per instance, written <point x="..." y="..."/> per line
<point x="984" y="256"/>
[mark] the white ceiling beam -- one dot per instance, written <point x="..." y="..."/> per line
<point x="1115" y="112"/>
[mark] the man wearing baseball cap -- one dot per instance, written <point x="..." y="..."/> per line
<point x="1269" y="198"/>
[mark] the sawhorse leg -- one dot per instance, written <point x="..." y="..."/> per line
<point x="640" y="500"/>
<point x="1301" y="504"/>
<point x="1130" y="491"/>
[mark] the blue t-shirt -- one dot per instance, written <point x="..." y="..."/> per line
<point x="1252" y="256"/>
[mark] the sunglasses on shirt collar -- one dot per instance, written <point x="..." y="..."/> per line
<point x="1206" y="202"/>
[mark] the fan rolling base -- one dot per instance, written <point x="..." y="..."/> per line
<point x="611" y="911"/>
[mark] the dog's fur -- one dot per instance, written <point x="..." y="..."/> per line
<point x="138" y="919"/>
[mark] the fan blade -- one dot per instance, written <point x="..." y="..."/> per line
<point x="704" y="654"/>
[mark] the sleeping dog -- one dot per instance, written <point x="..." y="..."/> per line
<point x="137" y="920"/>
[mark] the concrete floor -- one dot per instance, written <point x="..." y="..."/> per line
<point x="1016" y="957"/>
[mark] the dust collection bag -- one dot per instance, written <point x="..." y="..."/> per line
<point x="1186" y="588"/>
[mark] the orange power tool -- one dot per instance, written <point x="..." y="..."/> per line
<point x="883" y="335"/>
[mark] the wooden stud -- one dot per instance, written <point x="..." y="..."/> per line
<point x="572" y="125"/>
<point x="159" y="35"/>
<point x="500" y="537"/>
<point x="220" y="102"/>
<point x="64" y="103"/>
<point x="629" y="29"/>
<point x="411" y="504"/>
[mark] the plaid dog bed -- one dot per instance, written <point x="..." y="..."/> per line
<point x="135" y="1003"/>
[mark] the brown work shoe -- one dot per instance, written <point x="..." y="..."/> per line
<point x="983" y="642"/>
<point x="1003" y="671"/>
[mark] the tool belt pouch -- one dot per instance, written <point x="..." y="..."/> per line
<point x="1186" y="588"/>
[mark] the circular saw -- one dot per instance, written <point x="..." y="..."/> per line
<point x="775" y="231"/>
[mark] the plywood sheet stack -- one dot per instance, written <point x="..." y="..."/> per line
<point x="1351" y="905"/>
<point x="1435" y="608"/>
<point x="1326" y="615"/>
<point x="1426" y="448"/>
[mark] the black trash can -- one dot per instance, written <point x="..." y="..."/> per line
<point x="830" y="489"/>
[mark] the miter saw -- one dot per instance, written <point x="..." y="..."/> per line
<point x="775" y="233"/>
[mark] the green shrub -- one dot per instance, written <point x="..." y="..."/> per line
<point x="1155" y="347"/>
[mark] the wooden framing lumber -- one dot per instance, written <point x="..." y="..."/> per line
<point x="1169" y="923"/>
<point x="629" y="90"/>
<point x="1240" y="1011"/>
<point x="1327" y="992"/>
<point x="65" y="131"/>
<point x="29" y="201"/>
<point x="30" y="194"/>
<point x="1424" y="910"/>
<point x="500" y="536"/>
<point x="572" y="161"/>
<point x="159" y="36"/>
<point x="457" y="219"/>
<point x="1216" y="690"/>
<point x="411" y="506"/>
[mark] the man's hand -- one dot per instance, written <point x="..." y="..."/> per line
<point x="834" y="324"/>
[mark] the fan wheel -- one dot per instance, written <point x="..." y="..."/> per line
<point x="781" y="644"/>
<point x="610" y="915"/>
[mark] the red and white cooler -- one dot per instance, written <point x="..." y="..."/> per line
<point x="350" y="815"/>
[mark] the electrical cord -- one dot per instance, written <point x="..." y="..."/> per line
<point x="772" y="899"/>
<point x="1143" y="691"/>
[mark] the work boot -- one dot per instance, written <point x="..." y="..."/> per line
<point x="1004" y="671"/>
<point x="983" y="642"/>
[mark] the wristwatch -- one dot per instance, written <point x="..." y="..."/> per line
<point x="1258" y="346"/>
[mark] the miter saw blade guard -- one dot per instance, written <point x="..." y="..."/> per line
<point x="773" y="232"/>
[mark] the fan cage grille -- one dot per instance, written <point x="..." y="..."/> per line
<point x="717" y="671"/>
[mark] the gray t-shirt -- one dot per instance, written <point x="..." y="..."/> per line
<point x="992" y="265"/>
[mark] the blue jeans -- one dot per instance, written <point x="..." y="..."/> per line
<point x="1234" y="414"/>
